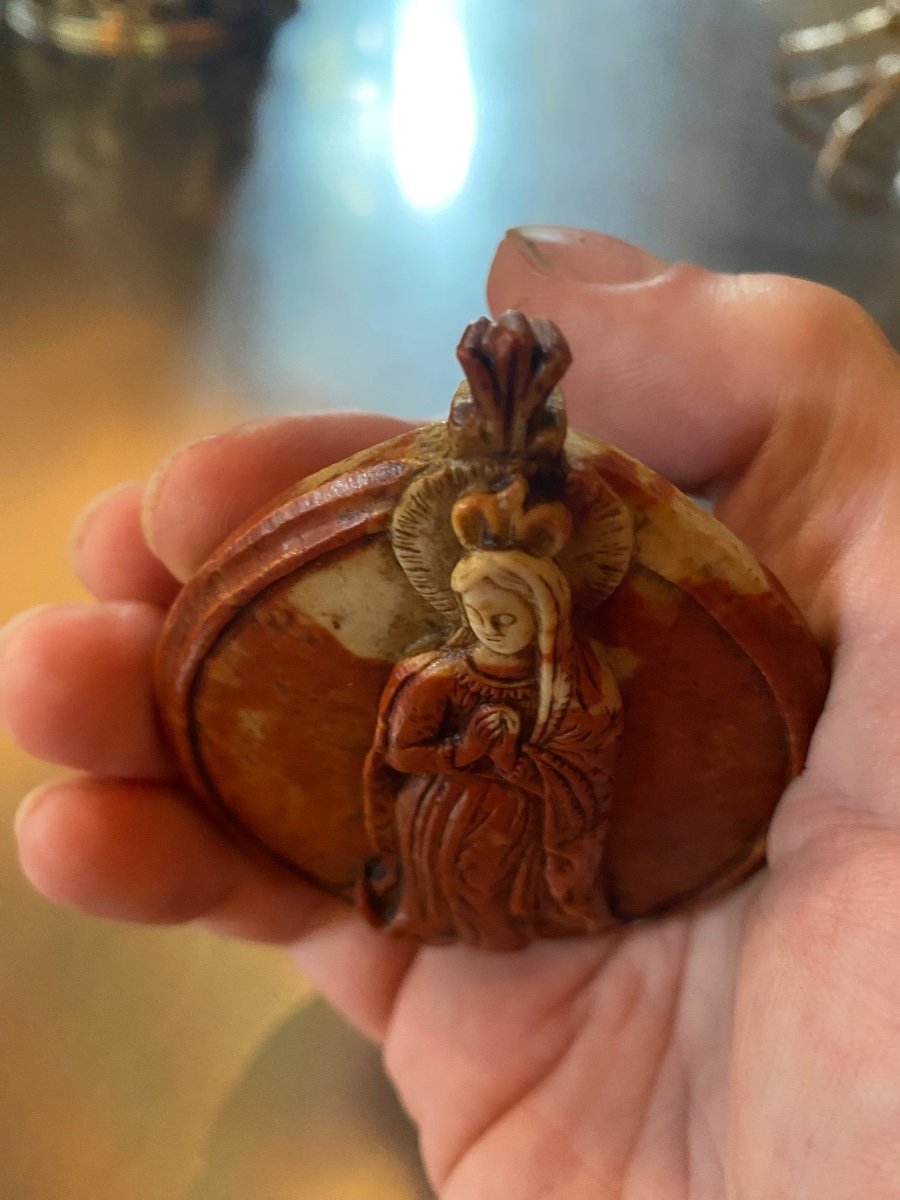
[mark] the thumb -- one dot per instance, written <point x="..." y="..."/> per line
<point x="782" y="397"/>
<point x="684" y="367"/>
<point x="777" y="396"/>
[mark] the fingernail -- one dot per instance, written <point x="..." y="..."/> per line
<point x="16" y="622"/>
<point x="28" y="805"/>
<point x="156" y="484"/>
<point x="561" y="252"/>
<point x="83" y="520"/>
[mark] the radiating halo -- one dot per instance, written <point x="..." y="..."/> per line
<point x="594" y="559"/>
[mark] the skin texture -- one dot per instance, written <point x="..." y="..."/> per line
<point x="747" y="1050"/>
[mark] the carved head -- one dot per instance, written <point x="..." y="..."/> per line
<point x="519" y="599"/>
<point x="501" y="619"/>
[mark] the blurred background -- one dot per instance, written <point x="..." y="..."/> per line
<point x="217" y="211"/>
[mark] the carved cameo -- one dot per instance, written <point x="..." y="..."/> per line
<point x="493" y="681"/>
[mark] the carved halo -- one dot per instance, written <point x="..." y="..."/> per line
<point x="425" y="544"/>
<point x="597" y="555"/>
<point x="594" y="560"/>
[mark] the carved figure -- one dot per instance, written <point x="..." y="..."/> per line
<point x="489" y="781"/>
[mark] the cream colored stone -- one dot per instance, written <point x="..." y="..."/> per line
<point x="364" y="600"/>
<point x="251" y="722"/>
<point x="678" y="539"/>
<point x="684" y="543"/>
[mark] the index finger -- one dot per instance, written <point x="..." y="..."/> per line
<point x="135" y="544"/>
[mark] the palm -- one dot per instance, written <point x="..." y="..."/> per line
<point x="749" y="1049"/>
<point x="674" y="1061"/>
<point x="597" y="1069"/>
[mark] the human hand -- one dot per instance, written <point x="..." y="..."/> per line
<point x="748" y="1049"/>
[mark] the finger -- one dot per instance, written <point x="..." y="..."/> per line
<point x="141" y="852"/>
<point x="110" y="554"/>
<point x="204" y="491"/>
<point x="684" y="368"/>
<point x="138" y="851"/>
<point x="76" y="688"/>
<point x="778" y="395"/>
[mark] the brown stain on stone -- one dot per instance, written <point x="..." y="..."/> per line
<point x="772" y="631"/>
<point x="706" y="752"/>
<point x="273" y="545"/>
<point x="295" y="786"/>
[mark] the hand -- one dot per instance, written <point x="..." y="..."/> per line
<point x="477" y="737"/>
<point x="491" y="728"/>
<point x="494" y="722"/>
<point x="506" y="724"/>
<point x="749" y="1049"/>
<point x="504" y="721"/>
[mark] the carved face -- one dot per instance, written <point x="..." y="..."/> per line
<point x="501" y="620"/>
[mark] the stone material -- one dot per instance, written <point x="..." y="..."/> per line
<point x="493" y="696"/>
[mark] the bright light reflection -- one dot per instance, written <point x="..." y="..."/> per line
<point x="364" y="91"/>
<point x="369" y="38"/>
<point x="433" y="105"/>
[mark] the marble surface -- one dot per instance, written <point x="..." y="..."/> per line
<point x="184" y="247"/>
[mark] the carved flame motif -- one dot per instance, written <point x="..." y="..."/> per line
<point x="508" y="406"/>
<point x="500" y="521"/>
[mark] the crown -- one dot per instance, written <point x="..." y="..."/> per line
<point x="499" y="520"/>
<point x="503" y="480"/>
<point x="508" y="407"/>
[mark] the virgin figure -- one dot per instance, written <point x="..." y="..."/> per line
<point x="488" y="783"/>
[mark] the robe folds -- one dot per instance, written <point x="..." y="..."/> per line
<point x="504" y="849"/>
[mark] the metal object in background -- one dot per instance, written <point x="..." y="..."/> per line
<point x="847" y="104"/>
<point x="101" y="123"/>
<point x="148" y="28"/>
